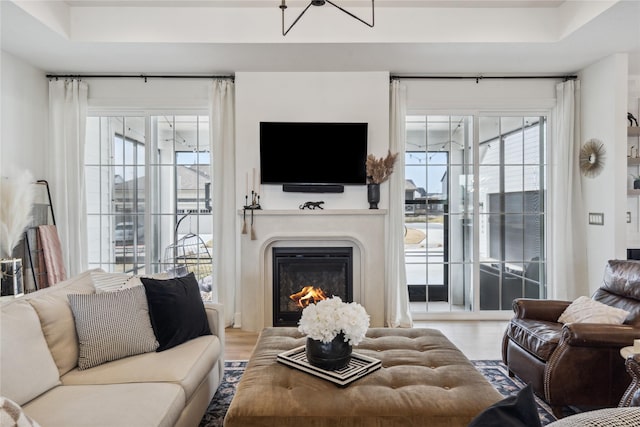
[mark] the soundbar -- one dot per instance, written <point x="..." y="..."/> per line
<point x="313" y="188"/>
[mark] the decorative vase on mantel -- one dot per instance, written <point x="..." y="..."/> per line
<point x="330" y="356"/>
<point x="373" y="195"/>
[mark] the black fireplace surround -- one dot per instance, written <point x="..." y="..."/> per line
<point x="327" y="268"/>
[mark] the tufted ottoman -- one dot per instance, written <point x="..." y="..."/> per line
<point x="424" y="380"/>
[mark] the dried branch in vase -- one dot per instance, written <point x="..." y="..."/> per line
<point x="379" y="170"/>
<point x="16" y="202"/>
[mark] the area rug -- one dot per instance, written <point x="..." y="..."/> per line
<point x="494" y="370"/>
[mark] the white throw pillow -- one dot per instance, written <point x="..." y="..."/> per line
<point x="27" y="368"/>
<point x="586" y="310"/>
<point x="112" y="325"/>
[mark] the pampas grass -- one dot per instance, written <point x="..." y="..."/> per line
<point x="16" y="202"/>
<point x="379" y="170"/>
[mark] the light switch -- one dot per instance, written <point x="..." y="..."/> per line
<point x="596" y="218"/>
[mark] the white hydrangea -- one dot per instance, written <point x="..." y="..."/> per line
<point x="324" y="320"/>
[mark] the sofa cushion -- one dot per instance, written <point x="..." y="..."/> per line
<point x="11" y="414"/>
<point x="56" y="318"/>
<point x="185" y="365"/>
<point x="112" y="325"/>
<point x="586" y="310"/>
<point x="176" y="309"/>
<point x="139" y="405"/>
<point x="28" y="369"/>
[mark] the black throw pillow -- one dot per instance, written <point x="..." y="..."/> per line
<point x="176" y="310"/>
<point x="519" y="410"/>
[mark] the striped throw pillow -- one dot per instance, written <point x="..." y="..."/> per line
<point x="112" y="325"/>
<point x="109" y="282"/>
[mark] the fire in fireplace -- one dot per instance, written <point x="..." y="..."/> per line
<point x="306" y="275"/>
<point x="308" y="295"/>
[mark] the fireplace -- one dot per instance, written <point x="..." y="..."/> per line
<point x="303" y="275"/>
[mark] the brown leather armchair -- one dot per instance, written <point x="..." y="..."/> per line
<point x="575" y="364"/>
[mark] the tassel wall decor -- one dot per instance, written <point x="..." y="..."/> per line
<point x="244" y="217"/>
<point x="253" y="230"/>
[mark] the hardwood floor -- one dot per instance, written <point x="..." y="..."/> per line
<point x="238" y="344"/>
<point x="477" y="339"/>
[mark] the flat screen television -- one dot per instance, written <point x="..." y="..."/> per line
<point x="313" y="157"/>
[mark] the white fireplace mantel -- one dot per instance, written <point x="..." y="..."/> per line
<point x="363" y="230"/>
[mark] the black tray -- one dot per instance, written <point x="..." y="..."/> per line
<point x="358" y="366"/>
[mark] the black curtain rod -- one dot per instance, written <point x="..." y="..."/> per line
<point x="135" y="76"/>
<point x="478" y="78"/>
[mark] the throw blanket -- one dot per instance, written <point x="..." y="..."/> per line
<point x="50" y="252"/>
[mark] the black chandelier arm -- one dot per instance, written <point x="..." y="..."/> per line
<point x="283" y="7"/>
<point x="354" y="16"/>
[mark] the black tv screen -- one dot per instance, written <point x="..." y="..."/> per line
<point x="313" y="153"/>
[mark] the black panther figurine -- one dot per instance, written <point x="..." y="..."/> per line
<point x="312" y="205"/>
<point x="631" y="119"/>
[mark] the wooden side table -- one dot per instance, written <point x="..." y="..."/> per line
<point x="632" y="363"/>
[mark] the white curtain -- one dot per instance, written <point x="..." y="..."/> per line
<point x="569" y="255"/>
<point x="65" y="169"/>
<point x="397" y="294"/>
<point x="222" y="122"/>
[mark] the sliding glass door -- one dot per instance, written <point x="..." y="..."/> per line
<point x="474" y="211"/>
<point x="148" y="195"/>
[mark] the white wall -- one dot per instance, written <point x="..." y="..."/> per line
<point x="486" y="95"/>
<point x="24" y="116"/>
<point x="314" y="97"/>
<point x="155" y="93"/>
<point x="604" y="116"/>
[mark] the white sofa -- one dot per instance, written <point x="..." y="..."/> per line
<point x="39" y="371"/>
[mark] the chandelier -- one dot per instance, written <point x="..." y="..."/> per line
<point x="283" y="7"/>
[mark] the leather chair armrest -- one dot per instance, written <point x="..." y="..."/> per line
<point x="599" y="335"/>
<point x="538" y="309"/>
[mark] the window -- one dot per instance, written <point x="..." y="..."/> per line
<point x="474" y="211"/>
<point x="148" y="195"/>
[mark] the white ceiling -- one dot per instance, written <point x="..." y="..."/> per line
<point x="419" y="37"/>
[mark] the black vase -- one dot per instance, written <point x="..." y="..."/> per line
<point x="636" y="184"/>
<point x="373" y="195"/>
<point x="329" y="356"/>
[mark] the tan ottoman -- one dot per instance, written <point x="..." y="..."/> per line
<point x="424" y="380"/>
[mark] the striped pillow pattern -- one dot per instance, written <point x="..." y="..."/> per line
<point x="109" y="282"/>
<point x="112" y="325"/>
